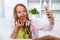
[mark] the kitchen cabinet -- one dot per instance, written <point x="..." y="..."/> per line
<point x="53" y="5"/>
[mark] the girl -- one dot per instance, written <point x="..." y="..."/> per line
<point x="21" y="16"/>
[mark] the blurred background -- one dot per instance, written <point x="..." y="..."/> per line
<point x="6" y="14"/>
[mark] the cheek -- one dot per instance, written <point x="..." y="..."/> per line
<point x="18" y="15"/>
<point x="25" y="14"/>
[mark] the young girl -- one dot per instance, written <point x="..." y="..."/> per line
<point x="21" y="16"/>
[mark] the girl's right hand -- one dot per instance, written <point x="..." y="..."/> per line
<point x="20" y="24"/>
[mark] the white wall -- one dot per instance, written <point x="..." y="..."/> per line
<point x="9" y="6"/>
<point x="1" y="9"/>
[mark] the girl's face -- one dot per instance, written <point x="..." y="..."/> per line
<point x="21" y="12"/>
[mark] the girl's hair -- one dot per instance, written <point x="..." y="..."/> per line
<point x="16" y="18"/>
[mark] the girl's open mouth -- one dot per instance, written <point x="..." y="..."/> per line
<point x="22" y="16"/>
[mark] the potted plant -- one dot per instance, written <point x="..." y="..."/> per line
<point x="34" y="12"/>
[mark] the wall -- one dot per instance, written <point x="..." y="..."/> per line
<point x="1" y="9"/>
<point x="9" y="6"/>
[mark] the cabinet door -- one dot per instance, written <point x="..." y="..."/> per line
<point x="9" y="6"/>
<point x="56" y="9"/>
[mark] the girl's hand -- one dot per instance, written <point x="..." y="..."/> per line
<point x="20" y="24"/>
<point x="49" y="15"/>
<point x="16" y="28"/>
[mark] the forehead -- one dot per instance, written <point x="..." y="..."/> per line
<point x="20" y="8"/>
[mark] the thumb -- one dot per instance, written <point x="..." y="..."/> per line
<point x="19" y="21"/>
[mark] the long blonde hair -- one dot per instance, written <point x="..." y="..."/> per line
<point x="15" y="17"/>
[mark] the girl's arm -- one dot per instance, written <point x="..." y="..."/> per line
<point x="50" y="17"/>
<point x="15" y="31"/>
<point x="37" y="25"/>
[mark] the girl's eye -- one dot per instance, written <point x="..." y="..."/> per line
<point x="19" y="12"/>
<point x="24" y="11"/>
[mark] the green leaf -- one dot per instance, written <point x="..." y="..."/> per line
<point x="34" y="11"/>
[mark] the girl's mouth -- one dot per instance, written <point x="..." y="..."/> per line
<point x="22" y="16"/>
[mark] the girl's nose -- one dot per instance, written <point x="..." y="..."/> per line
<point x="22" y="13"/>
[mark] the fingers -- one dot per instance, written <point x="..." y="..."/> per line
<point x="50" y="17"/>
<point x="19" y="21"/>
<point x="47" y="10"/>
<point x="49" y="14"/>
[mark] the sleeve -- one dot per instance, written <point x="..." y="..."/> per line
<point x="42" y="25"/>
<point x="12" y="26"/>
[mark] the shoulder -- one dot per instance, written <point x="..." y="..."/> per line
<point x="35" y="23"/>
<point x="12" y="22"/>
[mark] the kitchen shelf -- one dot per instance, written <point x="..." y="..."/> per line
<point x="52" y="4"/>
<point x="33" y="0"/>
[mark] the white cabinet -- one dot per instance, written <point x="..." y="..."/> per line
<point x="53" y="5"/>
<point x="56" y="8"/>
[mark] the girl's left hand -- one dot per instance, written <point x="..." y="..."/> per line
<point x="49" y="15"/>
